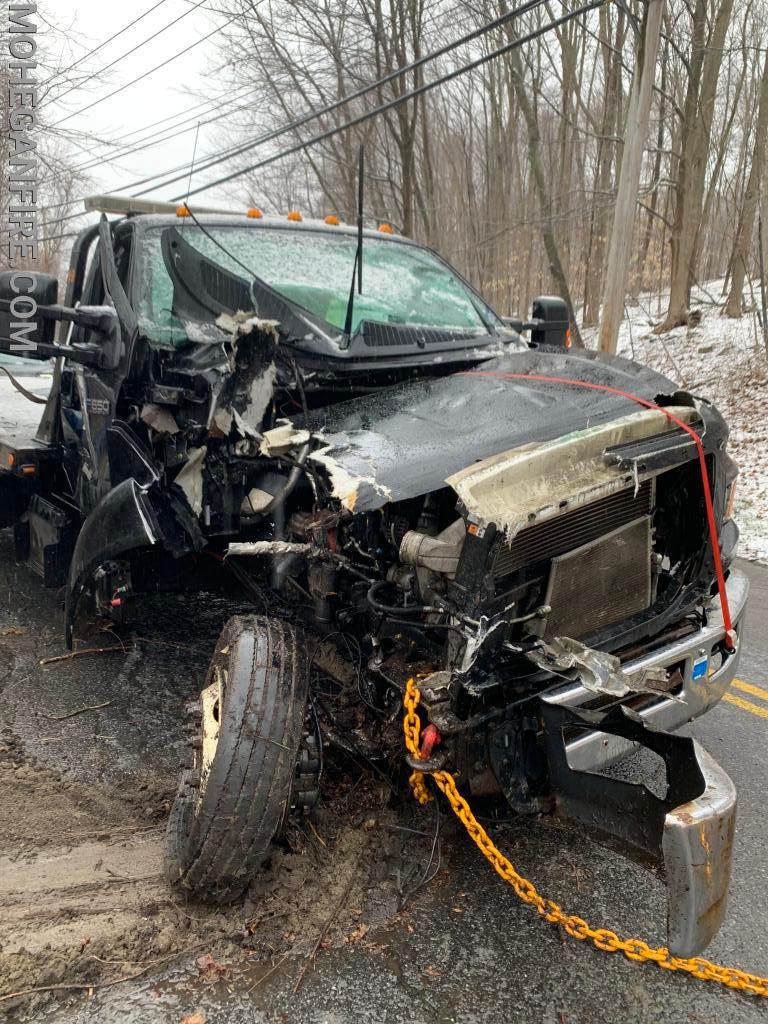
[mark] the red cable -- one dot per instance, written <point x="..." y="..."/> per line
<point x="730" y="636"/>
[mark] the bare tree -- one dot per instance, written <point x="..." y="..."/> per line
<point x="746" y="226"/>
<point x="705" y="63"/>
<point x="512" y="169"/>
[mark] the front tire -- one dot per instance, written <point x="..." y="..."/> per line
<point x="235" y="791"/>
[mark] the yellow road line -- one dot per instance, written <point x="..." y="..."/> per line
<point x="750" y="688"/>
<point x="746" y="705"/>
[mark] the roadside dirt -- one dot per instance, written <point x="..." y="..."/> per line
<point x="88" y="754"/>
<point x="83" y="897"/>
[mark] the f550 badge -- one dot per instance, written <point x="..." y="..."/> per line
<point x="97" y="406"/>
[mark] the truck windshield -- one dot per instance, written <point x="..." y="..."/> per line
<point x="402" y="284"/>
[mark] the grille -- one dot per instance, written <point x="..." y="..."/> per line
<point x="600" y="583"/>
<point x="573" y="529"/>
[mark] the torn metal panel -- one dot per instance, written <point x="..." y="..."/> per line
<point x="222" y="422"/>
<point x="248" y="386"/>
<point x="255" y="501"/>
<point x="597" y="671"/>
<point x="245" y="429"/>
<point x="539" y="481"/>
<point x="282" y="439"/>
<point x="355" y="491"/>
<point x="190" y="479"/>
<point x="242" y="324"/>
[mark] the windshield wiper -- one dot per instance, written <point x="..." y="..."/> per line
<point x="357" y="269"/>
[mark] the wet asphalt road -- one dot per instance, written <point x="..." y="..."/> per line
<point x="472" y="952"/>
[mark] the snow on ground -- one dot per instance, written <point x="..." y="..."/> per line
<point x="723" y="360"/>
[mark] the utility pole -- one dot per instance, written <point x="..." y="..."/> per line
<point x="635" y="134"/>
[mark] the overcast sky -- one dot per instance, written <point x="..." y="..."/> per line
<point x="164" y="92"/>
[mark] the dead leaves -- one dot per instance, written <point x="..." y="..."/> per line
<point x="210" y="970"/>
<point x="357" y="934"/>
<point x="193" y="1018"/>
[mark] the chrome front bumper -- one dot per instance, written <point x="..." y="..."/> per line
<point x="696" y="835"/>
<point x="596" y="750"/>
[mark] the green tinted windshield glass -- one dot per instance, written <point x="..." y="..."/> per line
<point x="402" y="284"/>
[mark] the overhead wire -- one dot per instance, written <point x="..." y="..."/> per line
<point x="391" y="76"/>
<point x="146" y="74"/>
<point x="129" y="53"/>
<point x="524" y="8"/>
<point x="404" y="98"/>
<point x="115" y="35"/>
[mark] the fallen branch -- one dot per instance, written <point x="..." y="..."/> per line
<point x="79" y="654"/>
<point x="271" y="970"/>
<point x="98" y="984"/>
<point x="79" y="711"/>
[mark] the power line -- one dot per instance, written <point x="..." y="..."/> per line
<point x="412" y="94"/>
<point x="160" y="137"/>
<point x="330" y="108"/>
<point x="184" y="167"/>
<point x="101" y="46"/>
<point x="525" y="8"/>
<point x="146" y="74"/>
<point x="128" y="53"/>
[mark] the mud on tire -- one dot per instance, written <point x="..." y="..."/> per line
<point x="225" y="818"/>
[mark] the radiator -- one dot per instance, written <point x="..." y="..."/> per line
<point x="573" y="529"/>
<point x="605" y="581"/>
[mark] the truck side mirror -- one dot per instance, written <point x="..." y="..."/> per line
<point x="23" y="326"/>
<point x="550" y="314"/>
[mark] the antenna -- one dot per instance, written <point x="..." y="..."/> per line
<point x="357" y="270"/>
<point x="191" y="169"/>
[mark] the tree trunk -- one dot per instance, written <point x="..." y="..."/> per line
<point x="745" y="230"/>
<point x="706" y="60"/>
<point x="542" y="190"/>
<point x="635" y="134"/>
<point x="611" y="124"/>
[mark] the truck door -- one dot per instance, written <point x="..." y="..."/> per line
<point x="90" y="403"/>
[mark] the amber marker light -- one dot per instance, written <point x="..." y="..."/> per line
<point x="332" y="219"/>
<point x="183" y="211"/>
<point x="254" y="213"/>
<point x="386" y="229"/>
<point x="295" y="215"/>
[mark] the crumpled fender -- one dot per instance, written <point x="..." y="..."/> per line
<point x="122" y="521"/>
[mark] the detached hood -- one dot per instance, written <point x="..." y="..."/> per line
<point x="407" y="440"/>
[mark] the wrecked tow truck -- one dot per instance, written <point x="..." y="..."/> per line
<point x="380" y="472"/>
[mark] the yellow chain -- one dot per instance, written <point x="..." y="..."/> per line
<point x="576" y="927"/>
